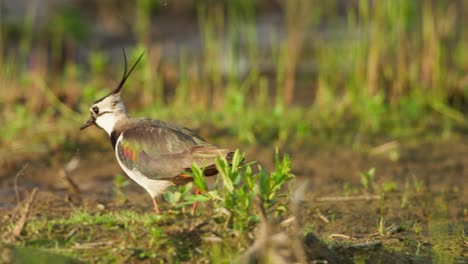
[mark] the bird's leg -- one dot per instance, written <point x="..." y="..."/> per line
<point x="195" y="204"/>
<point x="155" y="204"/>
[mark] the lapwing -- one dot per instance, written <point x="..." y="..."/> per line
<point x="154" y="153"/>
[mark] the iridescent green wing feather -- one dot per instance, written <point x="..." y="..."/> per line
<point x="163" y="151"/>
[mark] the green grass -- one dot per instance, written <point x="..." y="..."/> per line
<point x="176" y="234"/>
<point x="401" y="75"/>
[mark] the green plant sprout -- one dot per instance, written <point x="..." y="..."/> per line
<point x="367" y="179"/>
<point x="238" y="186"/>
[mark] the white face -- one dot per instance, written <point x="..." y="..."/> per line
<point x="108" y="112"/>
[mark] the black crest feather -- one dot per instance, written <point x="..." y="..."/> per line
<point x="126" y="74"/>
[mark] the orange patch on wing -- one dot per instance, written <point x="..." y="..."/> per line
<point x="182" y="179"/>
<point x="128" y="152"/>
<point x="184" y="176"/>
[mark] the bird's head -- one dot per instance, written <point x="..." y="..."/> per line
<point x="106" y="111"/>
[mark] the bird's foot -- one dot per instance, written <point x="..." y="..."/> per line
<point x="156" y="206"/>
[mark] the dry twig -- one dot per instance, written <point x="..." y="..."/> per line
<point x="93" y="244"/>
<point x="19" y="227"/>
<point x="366" y="245"/>
<point x="322" y="217"/>
<point x="340" y="236"/>
<point x="20" y="172"/>
<point x="347" y="198"/>
<point x="65" y="174"/>
<point x="385" y="148"/>
<point x="271" y="246"/>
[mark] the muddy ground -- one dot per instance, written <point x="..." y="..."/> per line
<point x="421" y="218"/>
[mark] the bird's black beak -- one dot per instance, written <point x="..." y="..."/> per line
<point x="91" y="121"/>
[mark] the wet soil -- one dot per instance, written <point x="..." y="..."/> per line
<point x="420" y="218"/>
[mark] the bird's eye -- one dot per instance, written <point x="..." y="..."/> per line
<point x="95" y="109"/>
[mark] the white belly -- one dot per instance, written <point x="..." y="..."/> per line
<point x="153" y="187"/>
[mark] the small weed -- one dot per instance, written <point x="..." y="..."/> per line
<point x="367" y="179"/>
<point x="464" y="237"/>
<point x="332" y="218"/>
<point x="309" y="229"/>
<point x="271" y="184"/>
<point x="390" y="186"/>
<point x="418" y="184"/>
<point x="381" y="227"/>
<point x="180" y="197"/>
<point x="418" y="248"/>
<point x="417" y="228"/>
<point x="156" y="234"/>
<point x="239" y="185"/>
<point x="406" y="194"/>
<point x="349" y="189"/>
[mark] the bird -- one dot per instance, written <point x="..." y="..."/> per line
<point x="155" y="154"/>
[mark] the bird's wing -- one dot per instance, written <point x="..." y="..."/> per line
<point x="163" y="151"/>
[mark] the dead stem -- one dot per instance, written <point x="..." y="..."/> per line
<point x="340" y="236"/>
<point x="366" y="245"/>
<point x="65" y="174"/>
<point x="385" y="148"/>
<point x="271" y="246"/>
<point x="322" y="217"/>
<point x="347" y="198"/>
<point x="18" y="199"/>
<point x="93" y="245"/>
<point x="19" y="227"/>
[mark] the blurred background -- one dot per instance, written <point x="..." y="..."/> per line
<point x="264" y="74"/>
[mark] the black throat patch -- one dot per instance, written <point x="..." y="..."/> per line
<point x="113" y="138"/>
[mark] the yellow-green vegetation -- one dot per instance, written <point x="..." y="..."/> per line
<point x="177" y="234"/>
<point x="239" y="186"/>
<point x="395" y="67"/>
